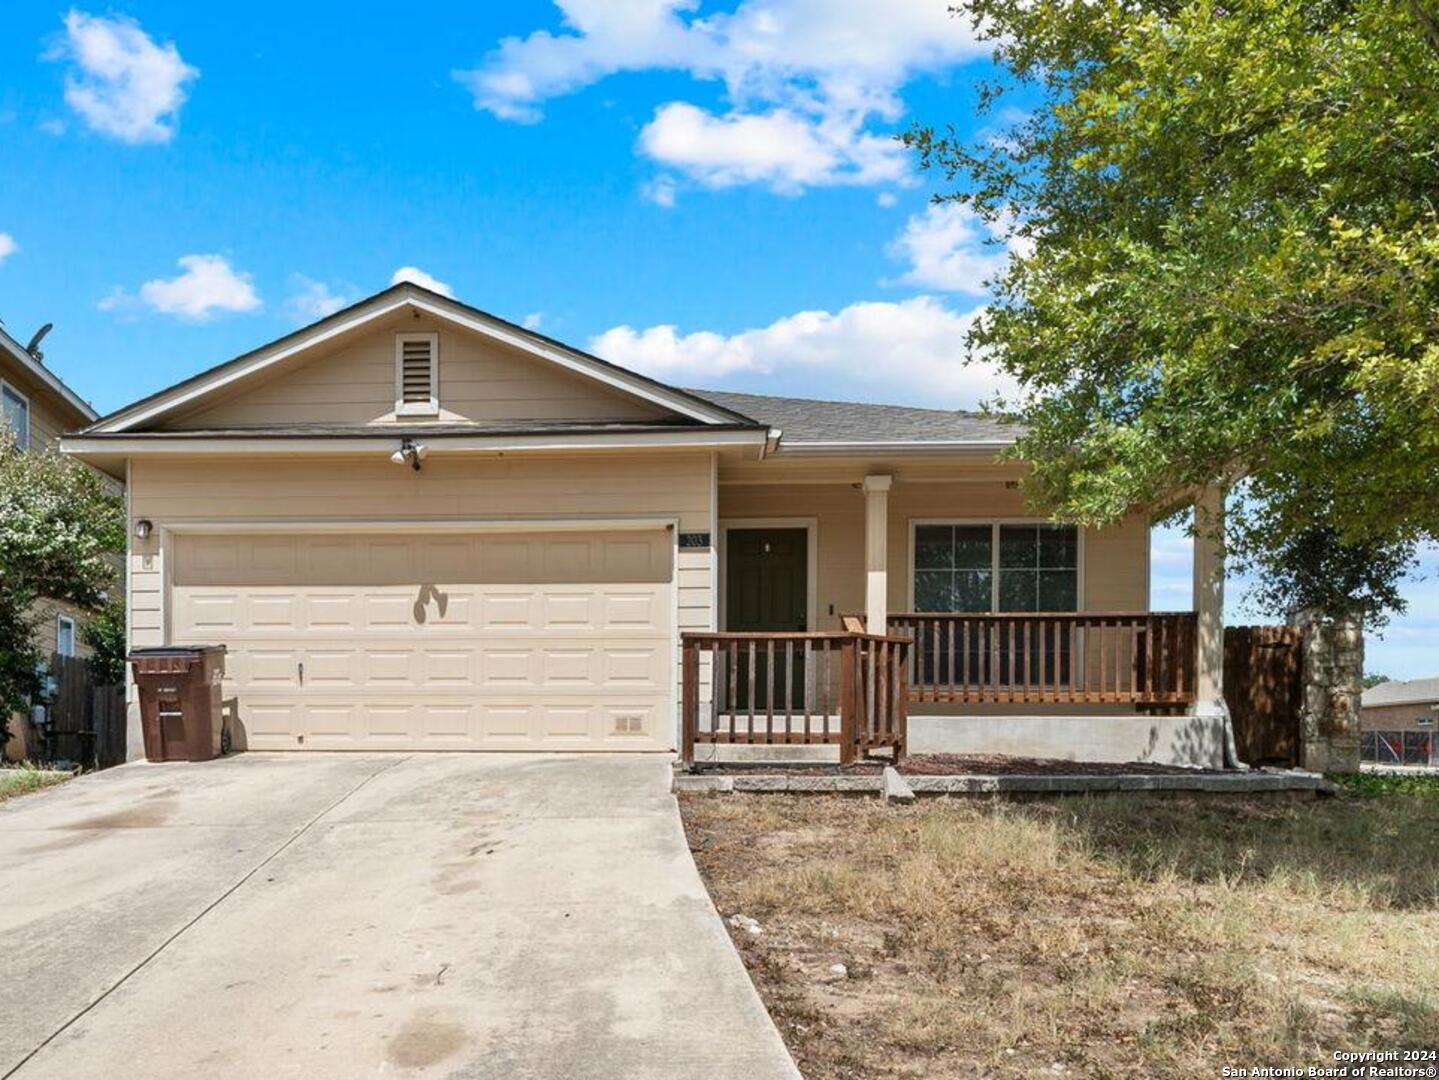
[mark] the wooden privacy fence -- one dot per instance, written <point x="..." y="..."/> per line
<point x="1264" y="689"/>
<point x="787" y="689"/>
<point x="1146" y="659"/>
<point x="87" y="719"/>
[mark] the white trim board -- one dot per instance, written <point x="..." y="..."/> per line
<point x="811" y="527"/>
<point x="381" y="442"/>
<point x="419" y="525"/>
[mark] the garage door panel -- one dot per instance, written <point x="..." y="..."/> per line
<point x="334" y="668"/>
<point x="443" y="642"/>
<point x="268" y="668"/>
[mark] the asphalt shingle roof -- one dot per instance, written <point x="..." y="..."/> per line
<point x="807" y="420"/>
<point x="1398" y="692"/>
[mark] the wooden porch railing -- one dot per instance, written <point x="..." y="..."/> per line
<point x="787" y="689"/>
<point x="1146" y="659"/>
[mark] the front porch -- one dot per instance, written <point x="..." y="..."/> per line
<point x="972" y="628"/>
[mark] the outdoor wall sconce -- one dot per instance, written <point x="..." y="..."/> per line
<point x="411" y="453"/>
<point x="143" y="528"/>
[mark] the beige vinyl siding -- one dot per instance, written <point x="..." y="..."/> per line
<point x="1116" y="561"/>
<point x="47" y="421"/>
<point x="174" y="491"/>
<point x="353" y="382"/>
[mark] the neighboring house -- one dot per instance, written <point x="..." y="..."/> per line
<point x="1397" y="721"/>
<point x="37" y="409"/>
<point x="417" y="526"/>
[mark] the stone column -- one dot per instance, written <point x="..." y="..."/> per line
<point x="1333" y="684"/>
<point x="876" y="553"/>
<point x="1209" y="602"/>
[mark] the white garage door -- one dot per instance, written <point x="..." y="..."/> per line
<point x="540" y="641"/>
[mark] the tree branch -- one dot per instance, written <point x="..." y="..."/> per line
<point x="1428" y="22"/>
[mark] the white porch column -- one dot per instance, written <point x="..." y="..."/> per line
<point x="876" y="553"/>
<point x="1209" y="601"/>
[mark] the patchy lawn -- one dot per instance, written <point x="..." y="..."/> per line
<point x="1101" y="937"/>
<point x="23" y="779"/>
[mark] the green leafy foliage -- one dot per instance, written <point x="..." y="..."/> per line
<point x="1374" y="785"/>
<point x="1227" y="268"/>
<point x="59" y="532"/>
<point x="104" y="632"/>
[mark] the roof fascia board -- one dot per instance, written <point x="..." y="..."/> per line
<point x="141" y="444"/>
<point x="46" y="376"/>
<point x="918" y="446"/>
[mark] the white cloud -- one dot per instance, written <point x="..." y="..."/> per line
<point x="417" y="276"/>
<point x="312" y="300"/>
<point x="208" y="284"/>
<point x="833" y="68"/>
<point x="533" y="321"/>
<point x="949" y="247"/>
<point x="874" y="349"/>
<point x="781" y="149"/>
<point x="660" y="191"/>
<point x="885" y="200"/>
<point x="122" y="84"/>
<point x="8" y="246"/>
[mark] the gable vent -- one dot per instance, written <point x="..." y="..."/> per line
<point x="417" y="366"/>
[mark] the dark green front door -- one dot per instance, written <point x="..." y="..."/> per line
<point x="766" y="588"/>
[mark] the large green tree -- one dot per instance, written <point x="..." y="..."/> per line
<point x="1228" y="220"/>
<point x="60" y="529"/>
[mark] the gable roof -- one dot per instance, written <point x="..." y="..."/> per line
<point x="1411" y="692"/>
<point x="223" y="376"/>
<point x="12" y="349"/>
<point x="807" y="422"/>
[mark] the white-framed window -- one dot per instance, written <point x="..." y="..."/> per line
<point x="16" y="414"/>
<point x="994" y="566"/>
<point x="65" y="636"/>
<point x="417" y="374"/>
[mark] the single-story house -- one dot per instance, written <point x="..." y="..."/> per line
<point x="418" y="526"/>
<point x="36" y="408"/>
<point x="1397" y="721"/>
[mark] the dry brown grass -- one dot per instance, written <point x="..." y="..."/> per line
<point x="23" y="779"/>
<point x="1109" y="937"/>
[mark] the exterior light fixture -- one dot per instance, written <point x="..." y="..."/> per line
<point x="143" y="528"/>
<point x="411" y="453"/>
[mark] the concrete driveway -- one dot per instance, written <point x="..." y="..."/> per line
<point x="352" y="915"/>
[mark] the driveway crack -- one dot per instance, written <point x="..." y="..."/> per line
<point x="29" y="1056"/>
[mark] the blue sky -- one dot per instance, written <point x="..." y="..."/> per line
<point x="707" y="192"/>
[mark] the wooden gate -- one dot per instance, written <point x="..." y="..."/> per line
<point x="1263" y="685"/>
<point x="87" y="720"/>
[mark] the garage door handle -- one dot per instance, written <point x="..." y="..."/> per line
<point x="302" y="672"/>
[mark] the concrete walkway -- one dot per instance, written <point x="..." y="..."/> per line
<point x="368" y="915"/>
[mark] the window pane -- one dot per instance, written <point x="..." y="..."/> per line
<point x="973" y="590"/>
<point x="1058" y="546"/>
<point x="933" y="547"/>
<point x="933" y="590"/>
<point x="1018" y="546"/>
<point x="1018" y="590"/>
<point x="1058" y="590"/>
<point x="17" y="418"/>
<point x="973" y="547"/>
